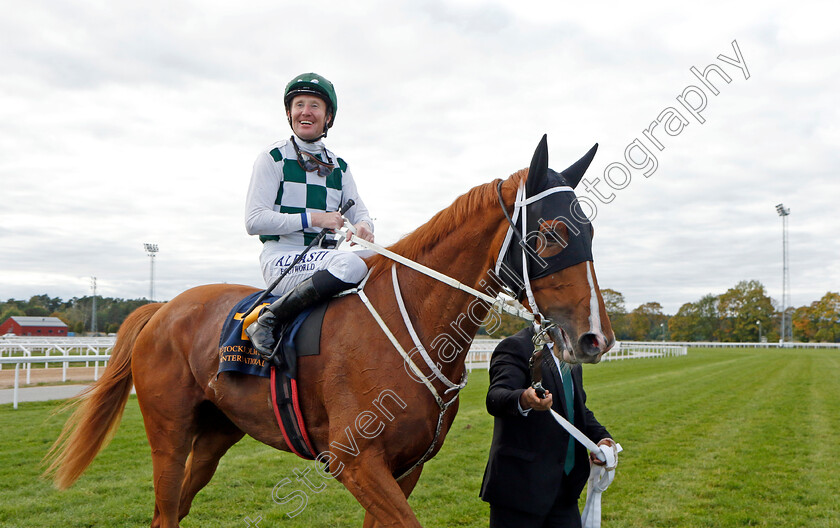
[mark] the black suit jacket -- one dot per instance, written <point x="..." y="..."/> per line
<point x="527" y="455"/>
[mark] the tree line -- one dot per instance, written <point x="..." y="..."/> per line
<point x="744" y="313"/>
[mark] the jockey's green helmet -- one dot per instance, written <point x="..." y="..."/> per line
<point x="312" y="84"/>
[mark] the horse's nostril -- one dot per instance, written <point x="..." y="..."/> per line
<point x="592" y="343"/>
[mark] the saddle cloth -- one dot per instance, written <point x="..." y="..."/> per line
<point x="301" y="337"/>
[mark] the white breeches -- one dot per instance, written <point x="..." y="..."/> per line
<point x="346" y="266"/>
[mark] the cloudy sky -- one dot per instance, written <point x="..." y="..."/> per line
<point x="121" y="125"/>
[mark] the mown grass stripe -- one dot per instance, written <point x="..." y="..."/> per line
<point x="729" y="470"/>
<point x="686" y="442"/>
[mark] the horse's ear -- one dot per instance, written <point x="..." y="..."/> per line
<point x="538" y="168"/>
<point x="577" y="169"/>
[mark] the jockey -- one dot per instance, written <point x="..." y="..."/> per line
<point x="297" y="187"/>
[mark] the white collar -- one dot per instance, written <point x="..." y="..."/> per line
<point x="316" y="147"/>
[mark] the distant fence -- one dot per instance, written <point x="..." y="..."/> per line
<point x="722" y="344"/>
<point x="480" y="351"/>
<point x="636" y="350"/>
<point x="26" y="346"/>
<point x="18" y="361"/>
<point x="479" y="355"/>
<point x="43" y="348"/>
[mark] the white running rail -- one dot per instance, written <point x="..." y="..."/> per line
<point x="18" y="361"/>
<point x="627" y="350"/>
<point x="481" y="349"/>
<point x="47" y="347"/>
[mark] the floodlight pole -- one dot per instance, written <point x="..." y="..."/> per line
<point x="784" y="212"/>
<point x="93" y="310"/>
<point x="151" y="250"/>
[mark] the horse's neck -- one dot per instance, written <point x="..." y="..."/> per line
<point x="447" y="319"/>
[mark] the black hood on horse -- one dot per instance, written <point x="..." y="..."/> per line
<point x="549" y="200"/>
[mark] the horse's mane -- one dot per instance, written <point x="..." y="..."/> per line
<point x="419" y="241"/>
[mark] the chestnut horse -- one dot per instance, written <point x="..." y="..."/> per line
<point x="192" y="416"/>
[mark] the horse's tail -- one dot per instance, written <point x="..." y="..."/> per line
<point x="98" y="409"/>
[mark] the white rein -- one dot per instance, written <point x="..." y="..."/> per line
<point x="600" y="476"/>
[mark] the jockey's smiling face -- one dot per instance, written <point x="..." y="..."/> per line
<point x="308" y="115"/>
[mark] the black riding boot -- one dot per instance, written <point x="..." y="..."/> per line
<point x="320" y="286"/>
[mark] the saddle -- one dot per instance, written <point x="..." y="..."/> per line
<point x="299" y="337"/>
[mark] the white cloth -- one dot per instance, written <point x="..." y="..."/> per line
<point x="600" y="478"/>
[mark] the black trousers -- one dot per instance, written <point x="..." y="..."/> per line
<point x="560" y="516"/>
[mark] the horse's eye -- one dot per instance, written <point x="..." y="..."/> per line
<point x="556" y="236"/>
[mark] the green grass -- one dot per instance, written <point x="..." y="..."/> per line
<point x="720" y="438"/>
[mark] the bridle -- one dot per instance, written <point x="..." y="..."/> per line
<point x="544" y="328"/>
<point x="542" y="325"/>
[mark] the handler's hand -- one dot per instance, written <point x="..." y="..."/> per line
<point x="331" y="220"/>
<point x="530" y="400"/>
<point x="607" y="442"/>
<point x="362" y="231"/>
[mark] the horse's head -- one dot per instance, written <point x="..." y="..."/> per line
<point x="556" y="247"/>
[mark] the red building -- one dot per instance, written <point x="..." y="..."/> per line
<point x="33" y="326"/>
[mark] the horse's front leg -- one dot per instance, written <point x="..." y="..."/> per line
<point x="369" y="479"/>
<point x="407" y="485"/>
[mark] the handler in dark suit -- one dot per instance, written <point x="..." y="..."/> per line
<point x="530" y="480"/>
